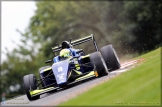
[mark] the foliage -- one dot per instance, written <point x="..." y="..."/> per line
<point x="144" y="24"/>
<point x="21" y="61"/>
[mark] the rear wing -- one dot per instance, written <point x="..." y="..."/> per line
<point x="77" y="42"/>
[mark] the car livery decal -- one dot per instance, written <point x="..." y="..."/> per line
<point x="60" y="70"/>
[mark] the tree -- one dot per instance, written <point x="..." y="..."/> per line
<point x="52" y="18"/>
<point x="144" y="24"/>
<point x="21" y="61"/>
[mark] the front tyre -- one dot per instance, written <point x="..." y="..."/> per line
<point x="99" y="63"/>
<point x="110" y="57"/>
<point x="30" y="83"/>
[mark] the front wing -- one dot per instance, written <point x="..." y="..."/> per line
<point x="42" y="91"/>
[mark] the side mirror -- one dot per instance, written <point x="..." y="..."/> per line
<point x="81" y="50"/>
<point x="74" y="57"/>
<point x="48" y="61"/>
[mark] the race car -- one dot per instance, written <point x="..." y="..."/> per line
<point x="65" y="71"/>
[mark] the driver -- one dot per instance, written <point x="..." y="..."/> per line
<point x="65" y="53"/>
<point x="67" y="45"/>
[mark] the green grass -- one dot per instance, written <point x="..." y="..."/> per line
<point x="139" y="86"/>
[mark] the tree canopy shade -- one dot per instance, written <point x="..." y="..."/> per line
<point x="144" y="24"/>
<point x="133" y="26"/>
<point x="133" y="22"/>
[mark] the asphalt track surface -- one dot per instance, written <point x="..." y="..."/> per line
<point x="55" y="98"/>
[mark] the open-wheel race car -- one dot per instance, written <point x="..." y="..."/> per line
<point x="70" y="66"/>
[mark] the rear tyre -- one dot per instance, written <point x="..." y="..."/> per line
<point x="110" y="57"/>
<point x="99" y="63"/>
<point x="40" y="69"/>
<point x="30" y="83"/>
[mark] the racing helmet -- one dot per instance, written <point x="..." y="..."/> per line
<point x="66" y="44"/>
<point x="65" y="53"/>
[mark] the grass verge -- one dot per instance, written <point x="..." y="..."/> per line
<point x="140" y="86"/>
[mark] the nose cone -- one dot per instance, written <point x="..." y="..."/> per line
<point x="60" y="70"/>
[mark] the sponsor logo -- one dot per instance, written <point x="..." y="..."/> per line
<point x="60" y="76"/>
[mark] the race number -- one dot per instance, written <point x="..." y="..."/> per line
<point x="60" y="69"/>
